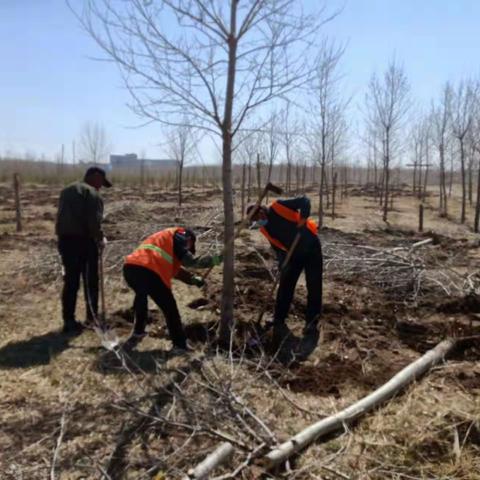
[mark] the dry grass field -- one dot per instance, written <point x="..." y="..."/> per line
<point x="70" y="409"/>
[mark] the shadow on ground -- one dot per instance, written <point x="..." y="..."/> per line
<point x="148" y="361"/>
<point x="39" y="350"/>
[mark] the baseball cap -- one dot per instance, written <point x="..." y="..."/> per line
<point x="101" y="171"/>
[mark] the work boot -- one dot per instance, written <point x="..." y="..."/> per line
<point x="281" y="335"/>
<point x="132" y="341"/>
<point x="308" y="343"/>
<point x="177" y="351"/>
<point x="72" y="327"/>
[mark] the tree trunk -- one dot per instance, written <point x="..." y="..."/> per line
<point x="443" y="189"/>
<point x="244" y="174"/>
<point x="289" y="177"/>
<point x="18" y="207"/>
<point x="320" y="195"/>
<point x="180" y="179"/>
<point x="228" y="290"/>
<point x="350" y="414"/>
<point x="334" y="189"/>
<point x="464" y="186"/>
<point x="415" y="178"/>
<point x="450" y="180"/>
<point x="259" y="176"/>
<point x="470" y="179"/>
<point x="425" y="181"/>
<point x="387" y="175"/>
<point x="477" y="206"/>
<point x="249" y="189"/>
<point x="304" y="177"/>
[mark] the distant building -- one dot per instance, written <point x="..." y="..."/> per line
<point x="131" y="160"/>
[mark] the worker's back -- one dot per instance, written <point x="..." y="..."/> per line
<point x="80" y="211"/>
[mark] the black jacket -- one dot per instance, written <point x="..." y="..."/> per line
<point x="285" y="231"/>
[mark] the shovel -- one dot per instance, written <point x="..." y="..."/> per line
<point x="285" y="262"/>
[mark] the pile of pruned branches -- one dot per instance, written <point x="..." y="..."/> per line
<point x="189" y="410"/>
<point x="403" y="272"/>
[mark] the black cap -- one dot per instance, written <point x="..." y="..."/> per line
<point x="92" y="170"/>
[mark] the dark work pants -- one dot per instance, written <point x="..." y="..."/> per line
<point x="146" y="283"/>
<point x="311" y="262"/>
<point x="80" y="260"/>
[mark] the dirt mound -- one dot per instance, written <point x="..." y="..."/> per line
<point x="467" y="304"/>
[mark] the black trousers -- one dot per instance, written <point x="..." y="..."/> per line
<point x="80" y="260"/>
<point x="311" y="262"/>
<point x="146" y="283"/>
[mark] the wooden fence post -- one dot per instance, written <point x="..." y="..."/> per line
<point x="18" y="211"/>
<point x="334" y="191"/>
<point x="420" y="217"/>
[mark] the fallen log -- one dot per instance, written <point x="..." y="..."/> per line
<point x="217" y="457"/>
<point x="353" y="412"/>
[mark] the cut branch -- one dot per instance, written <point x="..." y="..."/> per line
<point x="219" y="456"/>
<point x="350" y="414"/>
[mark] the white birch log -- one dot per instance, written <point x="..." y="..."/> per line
<point x="216" y="458"/>
<point x="353" y="412"/>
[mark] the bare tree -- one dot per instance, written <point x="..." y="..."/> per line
<point x="338" y="135"/>
<point x="388" y="102"/>
<point x="218" y="61"/>
<point x="272" y="144"/>
<point x="94" y="145"/>
<point x="182" y="141"/>
<point x="463" y="98"/>
<point x="289" y="139"/>
<point x="440" y="122"/>
<point x="325" y="93"/>
<point x="475" y="138"/>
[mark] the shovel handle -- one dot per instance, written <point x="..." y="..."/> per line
<point x="285" y="262"/>
<point x="102" y="287"/>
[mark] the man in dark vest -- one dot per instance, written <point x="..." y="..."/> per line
<point x="280" y="224"/>
<point x="78" y="227"/>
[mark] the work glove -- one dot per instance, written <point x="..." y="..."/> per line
<point x="217" y="259"/>
<point x="198" y="281"/>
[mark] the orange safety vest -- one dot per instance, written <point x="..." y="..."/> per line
<point x="292" y="216"/>
<point x="156" y="253"/>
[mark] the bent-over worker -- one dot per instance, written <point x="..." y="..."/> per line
<point x="280" y="223"/>
<point x="149" y="271"/>
<point x="79" y="232"/>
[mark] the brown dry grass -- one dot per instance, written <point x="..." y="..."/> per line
<point x="431" y="431"/>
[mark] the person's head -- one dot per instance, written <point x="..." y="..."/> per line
<point x="191" y="240"/>
<point x="257" y="213"/>
<point x="96" y="178"/>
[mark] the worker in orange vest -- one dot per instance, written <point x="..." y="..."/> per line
<point x="280" y="223"/>
<point x="149" y="271"/>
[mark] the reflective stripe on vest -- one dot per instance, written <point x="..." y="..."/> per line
<point x="157" y="254"/>
<point x="163" y="253"/>
<point x="272" y="240"/>
<point x="293" y="216"/>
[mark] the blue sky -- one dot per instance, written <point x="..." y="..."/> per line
<point x="49" y="87"/>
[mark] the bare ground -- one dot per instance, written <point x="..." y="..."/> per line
<point x="71" y="410"/>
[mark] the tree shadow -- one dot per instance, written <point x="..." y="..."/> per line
<point x="39" y="350"/>
<point x="147" y="361"/>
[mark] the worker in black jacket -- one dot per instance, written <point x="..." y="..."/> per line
<point x="280" y="224"/>
<point x="80" y="236"/>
